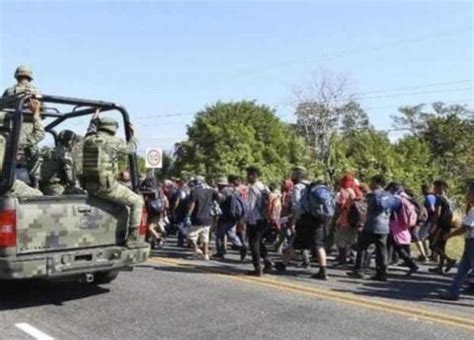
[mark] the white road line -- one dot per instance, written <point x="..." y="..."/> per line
<point x="34" y="332"/>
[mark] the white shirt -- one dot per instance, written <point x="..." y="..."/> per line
<point x="255" y="203"/>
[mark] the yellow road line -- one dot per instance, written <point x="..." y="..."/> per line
<point x="345" y="298"/>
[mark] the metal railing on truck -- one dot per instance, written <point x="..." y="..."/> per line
<point x="80" y="107"/>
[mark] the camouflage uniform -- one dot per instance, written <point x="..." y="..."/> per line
<point x="100" y="170"/>
<point x="32" y="131"/>
<point x="58" y="172"/>
<point x="20" y="88"/>
<point x="19" y="188"/>
<point x="50" y="182"/>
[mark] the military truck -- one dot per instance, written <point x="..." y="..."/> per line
<point x="67" y="236"/>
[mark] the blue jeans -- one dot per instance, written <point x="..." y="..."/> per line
<point x="226" y="228"/>
<point x="466" y="266"/>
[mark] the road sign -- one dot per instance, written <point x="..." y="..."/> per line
<point x="154" y="158"/>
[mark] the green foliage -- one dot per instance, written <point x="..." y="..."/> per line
<point x="446" y="132"/>
<point x="227" y="137"/>
<point x="167" y="171"/>
<point x="365" y="153"/>
<point x="124" y="166"/>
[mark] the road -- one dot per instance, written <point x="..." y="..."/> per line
<point x="173" y="297"/>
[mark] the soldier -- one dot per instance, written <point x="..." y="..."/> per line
<point x="32" y="131"/>
<point x="70" y="158"/>
<point x="59" y="170"/>
<point x="24" y="77"/>
<point x="19" y="188"/>
<point x="100" y="169"/>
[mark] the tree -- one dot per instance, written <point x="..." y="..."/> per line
<point x="227" y="137"/>
<point x="167" y="169"/>
<point x="324" y="108"/>
<point x="364" y="153"/>
<point x="446" y="132"/>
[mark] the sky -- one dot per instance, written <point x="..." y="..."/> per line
<point x="165" y="61"/>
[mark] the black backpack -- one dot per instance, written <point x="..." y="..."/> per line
<point x="446" y="217"/>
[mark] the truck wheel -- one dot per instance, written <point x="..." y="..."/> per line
<point x="105" y="277"/>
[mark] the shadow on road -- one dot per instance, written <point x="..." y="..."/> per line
<point x="195" y="269"/>
<point x="422" y="286"/>
<point x="31" y="293"/>
<point x="416" y="288"/>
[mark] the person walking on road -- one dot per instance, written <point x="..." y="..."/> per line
<point x="257" y="221"/>
<point x="429" y="204"/>
<point x="313" y="209"/>
<point x="198" y="217"/>
<point x="376" y="229"/>
<point x="443" y="224"/>
<point x="345" y="234"/>
<point x="232" y="207"/>
<point x="466" y="266"/>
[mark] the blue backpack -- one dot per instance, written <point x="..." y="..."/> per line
<point x="383" y="202"/>
<point x="317" y="200"/>
<point x="235" y="208"/>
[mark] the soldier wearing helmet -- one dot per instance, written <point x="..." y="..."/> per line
<point x="101" y="153"/>
<point x="59" y="170"/>
<point x="68" y="145"/>
<point x="32" y="131"/>
<point x="24" y="77"/>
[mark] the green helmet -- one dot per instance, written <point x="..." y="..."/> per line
<point x="107" y="124"/>
<point x="23" y="71"/>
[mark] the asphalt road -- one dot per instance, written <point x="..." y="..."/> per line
<point x="174" y="297"/>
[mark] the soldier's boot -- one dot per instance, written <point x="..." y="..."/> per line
<point x="132" y="239"/>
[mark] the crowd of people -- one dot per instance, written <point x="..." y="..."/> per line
<point x="301" y="220"/>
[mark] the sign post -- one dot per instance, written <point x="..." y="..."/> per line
<point x="154" y="159"/>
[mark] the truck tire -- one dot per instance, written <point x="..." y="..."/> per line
<point x="105" y="277"/>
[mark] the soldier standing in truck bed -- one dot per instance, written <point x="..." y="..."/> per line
<point x="32" y="130"/>
<point x="100" y="170"/>
<point x="19" y="188"/>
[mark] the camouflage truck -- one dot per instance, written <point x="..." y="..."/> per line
<point x="66" y="236"/>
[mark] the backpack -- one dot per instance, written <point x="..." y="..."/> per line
<point x="97" y="165"/>
<point x="419" y="211"/>
<point x="234" y="208"/>
<point x="157" y="204"/>
<point x="382" y="202"/>
<point x="406" y="217"/>
<point x="357" y="213"/>
<point x="264" y="203"/>
<point x="317" y="200"/>
<point x="446" y="217"/>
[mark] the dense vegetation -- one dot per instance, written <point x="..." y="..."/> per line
<point x="226" y="137"/>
